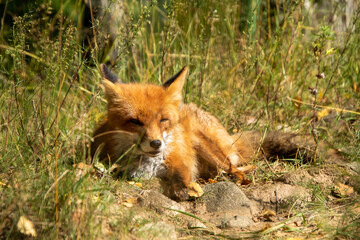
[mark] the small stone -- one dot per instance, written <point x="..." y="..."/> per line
<point x="159" y="202"/>
<point x="196" y="224"/>
<point x="354" y="168"/>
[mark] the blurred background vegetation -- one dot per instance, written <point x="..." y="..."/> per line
<point x="275" y="64"/>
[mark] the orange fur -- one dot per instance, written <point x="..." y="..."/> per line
<point x="138" y="114"/>
<point x="150" y="132"/>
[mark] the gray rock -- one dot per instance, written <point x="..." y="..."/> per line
<point x="159" y="202"/>
<point x="354" y="168"/>
<point x="227" y="205"/>
<point x="226" y="196"/>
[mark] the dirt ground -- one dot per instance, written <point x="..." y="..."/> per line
<point x="315" y="202"/>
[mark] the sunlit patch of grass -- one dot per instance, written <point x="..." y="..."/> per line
<point x="50" y="97"/>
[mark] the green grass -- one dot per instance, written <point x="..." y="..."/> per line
<point x="50" y="98"/>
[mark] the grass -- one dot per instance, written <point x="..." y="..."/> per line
<point x="246" y="75"/>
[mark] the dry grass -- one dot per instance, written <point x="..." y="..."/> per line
<point x="245" y="74"/>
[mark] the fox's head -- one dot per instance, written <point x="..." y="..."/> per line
<point x="145" y="113"/>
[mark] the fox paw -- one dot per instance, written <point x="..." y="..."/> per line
<point x="193" y="190"/>
<point x="240" y="177"/>
<point x="245" y="181"/>
<point x="177" y="192"/>
<point x="180" y="194"/>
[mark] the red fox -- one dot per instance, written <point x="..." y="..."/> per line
<point x="149" y="131"/>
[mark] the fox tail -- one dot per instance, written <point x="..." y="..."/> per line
<point x="285" y="145"/>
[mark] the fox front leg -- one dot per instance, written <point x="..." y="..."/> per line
<point x="181" y="171"/>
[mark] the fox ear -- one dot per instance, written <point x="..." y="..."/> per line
<point x="175" y="84"/>
<point x="110" y="90"/>
<point x="108" y="75"/>
<point x="176" y="76"/>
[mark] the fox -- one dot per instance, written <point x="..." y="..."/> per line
<point x="150" y="132"/>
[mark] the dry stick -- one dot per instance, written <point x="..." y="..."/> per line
<point x="317" y="53"/>
<point x="41" y="119"/>
<point x="181" y="55"/>
<point x="265" y="158"/>
<point x="207" y="61"/>
<point x="267" y="162"/>
<point x="269" y="20"/>
<point x="291" y="11"/>
<point x="23" y="52"/>
<point x="53" y="185"/>
<point x="57" y="223"/>
<point x="36" y="113"/>
<point x="97" y="151"/>
<point x="7" y="125"/>
<point x="276" y="200"/>
<point x="202" y="67"/>
<point x="3" y="18"/>
<point x="164" y="52"/>
<point x="267" y="99"/>
<point x="16" y="145"/>
<point x="292" y="207"/>
<point x="93" y="22"/>
<point x="325" y="107"/>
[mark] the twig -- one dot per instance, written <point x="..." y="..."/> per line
<point x="23" y="52"/>
<point x="53" y="186"/>
<point x="57" y="212"/>
<point x="267" y="162"/>
<point x="322" y="106"/>
<point x="93" y="24"/>
<point x="3" y="18"/>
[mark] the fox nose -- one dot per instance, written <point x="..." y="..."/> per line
<point x="156" y="144"/>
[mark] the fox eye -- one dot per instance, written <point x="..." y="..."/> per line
<point x="164" y="120"/>
<point x="136" y="122"/>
